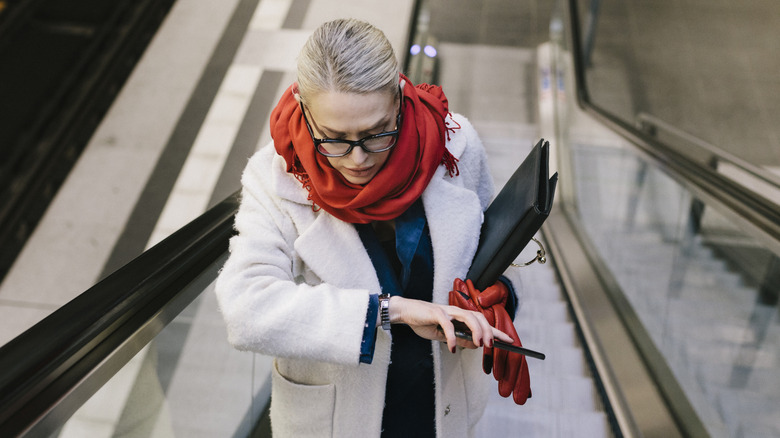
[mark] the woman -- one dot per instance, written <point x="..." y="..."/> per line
<point x="352" y="226"/>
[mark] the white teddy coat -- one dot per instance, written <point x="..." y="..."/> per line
<point x="296" y="286"/>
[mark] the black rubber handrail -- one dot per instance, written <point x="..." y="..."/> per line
<point x="756" y="212"/>
<point x="50" y="359"/>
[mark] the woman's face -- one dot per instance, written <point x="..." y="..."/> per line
<point x="349" y="116"/>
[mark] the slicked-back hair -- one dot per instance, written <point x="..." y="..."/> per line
<point x="348" y="56"/>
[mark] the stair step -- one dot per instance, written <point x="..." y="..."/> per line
<point x="534" y="423"/>
<point x="552" y="311"/>
<point x="559" y="362"/>
<point x="563" y="394"/>
<point x="552" y="393"/>
<point x="550" y="335"/>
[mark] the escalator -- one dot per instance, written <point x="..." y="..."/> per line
<point x="667" y="270"/>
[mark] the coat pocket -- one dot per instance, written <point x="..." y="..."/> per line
<point x="299" y="410"/>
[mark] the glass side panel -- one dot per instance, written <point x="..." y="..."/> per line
<point x="706" y="67"/>
<point x="187" y="382"/>
<point x="705" y="291"/>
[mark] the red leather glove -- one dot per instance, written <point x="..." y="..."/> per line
<point x="509" y="369"/>
<point x="461" y="297"/>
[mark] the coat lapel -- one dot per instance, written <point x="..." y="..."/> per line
<point x="329" y="247"/>
<point x="332" y="249"/>
<point x="454" y="218"/>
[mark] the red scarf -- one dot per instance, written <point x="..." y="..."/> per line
<point x="405" y="175"/>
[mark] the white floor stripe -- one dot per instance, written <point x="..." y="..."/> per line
<point x="193" y="188"/>
<point x="270" y="14"/>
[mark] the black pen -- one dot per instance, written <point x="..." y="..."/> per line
<point x="463" y="332"/>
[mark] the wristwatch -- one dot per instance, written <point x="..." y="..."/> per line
<point x="384" y="310"/>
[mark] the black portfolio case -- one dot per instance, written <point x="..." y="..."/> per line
<point x="514" y="216"/>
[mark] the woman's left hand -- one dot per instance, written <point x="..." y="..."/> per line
<point x="426" y="319"/>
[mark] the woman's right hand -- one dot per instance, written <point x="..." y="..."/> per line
<point x="425" y="319"/>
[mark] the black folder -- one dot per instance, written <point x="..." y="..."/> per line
<point x="514" y="216"/>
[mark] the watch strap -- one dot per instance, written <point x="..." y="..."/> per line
<point x="384" y="310"/>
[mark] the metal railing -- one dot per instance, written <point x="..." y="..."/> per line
<point x="648" y="122"/>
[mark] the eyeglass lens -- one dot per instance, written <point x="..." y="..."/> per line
<point x="372" y="144"/>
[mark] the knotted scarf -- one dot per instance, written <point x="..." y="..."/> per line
<point x="405" y="175"/>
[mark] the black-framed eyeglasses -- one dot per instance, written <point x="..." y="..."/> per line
<point x="372" y="144"/>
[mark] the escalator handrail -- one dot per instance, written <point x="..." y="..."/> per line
<point x="757" y="212"/>
<point x="38" y="365"/>
<point x="714" y="151"/>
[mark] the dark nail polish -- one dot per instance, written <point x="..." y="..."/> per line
<point x="452" y="350"/>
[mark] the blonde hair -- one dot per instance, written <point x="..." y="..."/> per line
<point x="349" y="56"/>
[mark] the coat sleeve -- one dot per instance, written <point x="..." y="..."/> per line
<point x="265" y="302"/>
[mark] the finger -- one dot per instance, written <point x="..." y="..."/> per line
<point x="481" y="330"/>
<point x="459" y="341"/>
<point x="462" y="290"/>
<point x="507" y="370"/>
<point x="506" y="326"/>
<point x="501" y="336"/>
<point x="473" y="293"/>
<point x="522" y="389"/>
<point x="487" y="320"/>
<point x="505" y="387"/>
<point x="449" y="337"/>
<point x="511" y="363"/>
<point x="448" y="330"/>
<point x="473" y="321"/>
<point x="487" y="332"/>
<point x="500" y="364"/>
<point x="501" y="357"/>
<point x="514" y="363"/>
<point x="460" y="286"/>
<point x="465" y="343"/>
<point x="487" y="353"/>
<point x="487" y="360"/>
